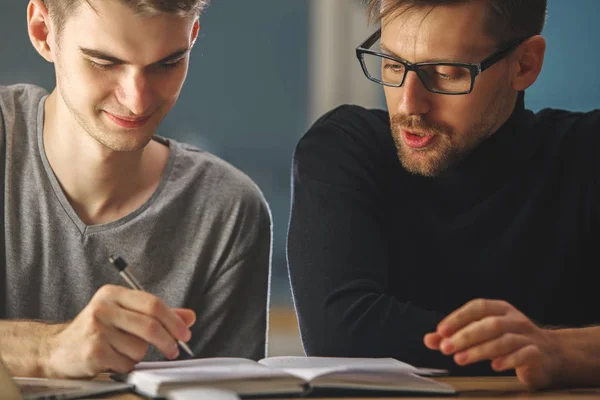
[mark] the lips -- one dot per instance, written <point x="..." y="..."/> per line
<point x="417" y="140"/>
<point x="128" y="122"/>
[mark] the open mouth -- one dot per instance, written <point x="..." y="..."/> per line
<point x="418" y="140"/>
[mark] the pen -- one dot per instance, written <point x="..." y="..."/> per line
<point x="125" y="272"/>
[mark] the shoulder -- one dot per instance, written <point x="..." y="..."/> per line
<point x="353" y="116"/>
<point x="206" y="174"/>
<point x="19" y="109"/>
<point x="16" y="98"/>
<point x="563" y="122"/>
<point x="572" y="141"/>
<point x="348" y="138"/>
<point x="350" y="123"/>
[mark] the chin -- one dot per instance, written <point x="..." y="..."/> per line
<point x="125" y="141"/>
<point x="422" y="170"/>
<point x="423" y="164"/>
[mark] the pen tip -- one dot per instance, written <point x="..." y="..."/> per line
<point x="185" y="347"/>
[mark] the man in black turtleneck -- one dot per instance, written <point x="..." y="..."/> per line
<point x="459" y="230"/>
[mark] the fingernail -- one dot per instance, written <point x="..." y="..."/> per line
<point x="447" y="346"/>
<point x="443" y="329"/>
<point x="461" y="358"/>
<point x="183" y="334"/>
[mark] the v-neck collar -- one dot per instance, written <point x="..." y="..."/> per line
<point x="62" y="198"/>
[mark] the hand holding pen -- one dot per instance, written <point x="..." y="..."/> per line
<point x="133" y="283"/>
<point x="112" y="333"/>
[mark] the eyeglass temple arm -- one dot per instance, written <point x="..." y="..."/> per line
<point x="494" y="58"/>
<point x="371" y="40"/>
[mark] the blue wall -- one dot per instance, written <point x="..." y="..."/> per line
<point x="570" y="78"/>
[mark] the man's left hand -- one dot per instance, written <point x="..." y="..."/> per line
<point x="495" y="330"/>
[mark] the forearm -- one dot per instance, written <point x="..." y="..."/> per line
<point x="578" y="356"/>
<point x="25" y="346"/>
<point x="372" y="325"/>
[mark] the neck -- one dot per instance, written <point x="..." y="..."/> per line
<point x="102" y="185"/>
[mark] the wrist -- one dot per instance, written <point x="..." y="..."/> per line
<point x="557" y="351"/>
<point x="48" y="349"/>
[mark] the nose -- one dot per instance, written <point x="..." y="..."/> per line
<point x="135" y="93"/>
<point x="414" y="99"/>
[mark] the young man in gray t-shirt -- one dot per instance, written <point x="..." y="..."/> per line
<point x="85" y="177"/>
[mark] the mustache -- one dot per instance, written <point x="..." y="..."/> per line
<point x="401" y="121"/>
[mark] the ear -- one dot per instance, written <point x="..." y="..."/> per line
<point x="39" y="28"/>
<point x="528" y="60"/>
<point x="195" y="31"/>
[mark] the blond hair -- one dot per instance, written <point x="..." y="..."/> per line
<point x="507" y="20"/>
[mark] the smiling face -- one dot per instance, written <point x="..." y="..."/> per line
<point x="434" y="132"/>
<point x="119" y="73"/>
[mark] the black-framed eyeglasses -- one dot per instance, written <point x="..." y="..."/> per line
<point x="438" y="77"/>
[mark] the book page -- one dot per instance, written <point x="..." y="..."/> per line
<point x="309" y="368"/>
<point x="385" y="374"/>
<point x="209" y="373"/>
<point x="240" y="375"/>
<point x="199" y="362"/>
<point x="315" y="366"/>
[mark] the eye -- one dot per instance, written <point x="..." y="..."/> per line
<point x="451" y="72"/>
<point x="172" y="64"/>
<point x="394" y="67"/>
<point x="103" y="65"/>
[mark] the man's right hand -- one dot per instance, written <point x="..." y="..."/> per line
<point x="113" y="331"/>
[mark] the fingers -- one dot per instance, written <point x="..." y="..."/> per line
<point x="143" y="315"/>
<point x="114" y="361"/>
<point x="432" y="340"/>
<point x="528" y="355"/>
<point x="495" y="330"/>
<point x="145" y="327"/>
<point x="188" y="316"/>
<point x="493" y="349"/>
<point x="131" y="347"/>
<point x="482" y="331"/>
<point x="472" y="311"/>
<point x="113" y="331"/>
<point x="150" y="305"/>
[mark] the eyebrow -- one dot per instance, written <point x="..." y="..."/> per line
<point x="107" y="57"/>
<point x="390" y="52"/>
<point x="435" y="60"/>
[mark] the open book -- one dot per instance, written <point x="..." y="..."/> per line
<point x="285" y="376"/>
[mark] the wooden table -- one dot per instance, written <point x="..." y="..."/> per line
<point x="496" y="388"/>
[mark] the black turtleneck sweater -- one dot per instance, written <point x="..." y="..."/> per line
<point x="378" y="256"/>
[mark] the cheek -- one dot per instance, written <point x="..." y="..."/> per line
<point x="177" y="81"/>
<point x="460" y="112"/>
<point x="83" y="87"/>
<point x="392" y="97"/>
<point x="169" y="86"/>
<point x="92" y="86"/>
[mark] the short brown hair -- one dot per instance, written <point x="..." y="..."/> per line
<point x="507" y="20"/>
<point x="60" y="10"/>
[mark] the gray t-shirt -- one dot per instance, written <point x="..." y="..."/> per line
<point x="202" y="240"/>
